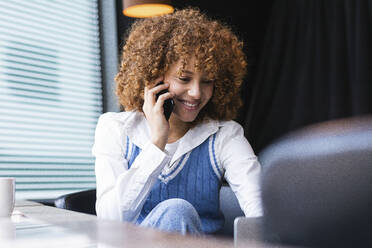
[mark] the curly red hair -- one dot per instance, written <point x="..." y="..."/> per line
<point x="154" y="44"/>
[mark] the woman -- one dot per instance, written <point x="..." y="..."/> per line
<point x="167" y="174"/>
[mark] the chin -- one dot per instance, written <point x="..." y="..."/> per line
<point x="184" y="118"/>
<point x="187" y="119"/>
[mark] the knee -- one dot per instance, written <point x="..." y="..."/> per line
<point x="177" y="207"/>
<point x="176" y="215"/>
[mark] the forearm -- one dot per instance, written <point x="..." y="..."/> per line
<point x="122" y="192"/>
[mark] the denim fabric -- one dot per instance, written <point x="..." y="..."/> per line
<point x="174" y="215"/>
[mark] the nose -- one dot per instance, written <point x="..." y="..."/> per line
<point x="195" y="90"/>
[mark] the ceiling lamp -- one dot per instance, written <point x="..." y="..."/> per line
<point x="146" y="8"/>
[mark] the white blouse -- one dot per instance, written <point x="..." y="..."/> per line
<point x="121" y="192"/>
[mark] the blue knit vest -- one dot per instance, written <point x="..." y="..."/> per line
<point x="195" y="177"/>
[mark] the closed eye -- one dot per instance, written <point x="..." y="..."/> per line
<point x="185" y="79"/>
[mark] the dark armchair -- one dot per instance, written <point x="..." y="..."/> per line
<point x="317" y="185"/>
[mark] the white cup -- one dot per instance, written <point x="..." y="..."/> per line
<point x="7" y="196"/>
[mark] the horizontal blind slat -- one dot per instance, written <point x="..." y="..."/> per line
<point x="46" y="194"/>
<point x="66" y="57"/>
<point x="46" y="159"/>
<point x="45" y="96"/>
<point x="67" y="66"/>
<point x="46" y="167"/>
<point x="47" y="174"/>
<point x="56" y="90"/>
<point x="46" y="126"/>
<point x="52" y="186"/>
<point x="35" y="135"/>
<point x="47" y="116"/>
<point x="86" y="110"/>
<point x="30" y="147"/>
<point x="50" y="109"/>
<point x="45" y="140"/>
<point x="51" y="77"/>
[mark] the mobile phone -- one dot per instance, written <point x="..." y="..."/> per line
<point x="168" y="104"/>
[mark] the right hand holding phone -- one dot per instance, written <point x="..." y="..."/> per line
<point x="154" y="112"/>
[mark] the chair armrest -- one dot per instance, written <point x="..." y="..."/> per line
<point x="83" y="201"/>
<point x="247" y="229"/>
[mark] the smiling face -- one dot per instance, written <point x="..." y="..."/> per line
<point x="191" y="88"/>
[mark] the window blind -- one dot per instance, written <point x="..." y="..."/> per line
<point x="50" y="95"/>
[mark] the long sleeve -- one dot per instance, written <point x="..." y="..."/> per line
<point x="242" y="169"/>
<point x="121" y="192"/>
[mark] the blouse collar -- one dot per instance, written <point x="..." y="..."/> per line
<point x="138" y="132"/>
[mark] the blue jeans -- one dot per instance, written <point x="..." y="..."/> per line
<point x="174" y="215"/>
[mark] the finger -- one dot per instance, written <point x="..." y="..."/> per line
<point x="150" y="98"/>
<point x="157" y="89"/>
<point x="162" y="98"/>
<point x="158" y="80"/>
<point x="146" y="94"/>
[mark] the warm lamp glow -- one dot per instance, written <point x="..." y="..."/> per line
<point x="146" y="8"/>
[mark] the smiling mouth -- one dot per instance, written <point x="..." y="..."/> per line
<point x="189" y="105"/>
